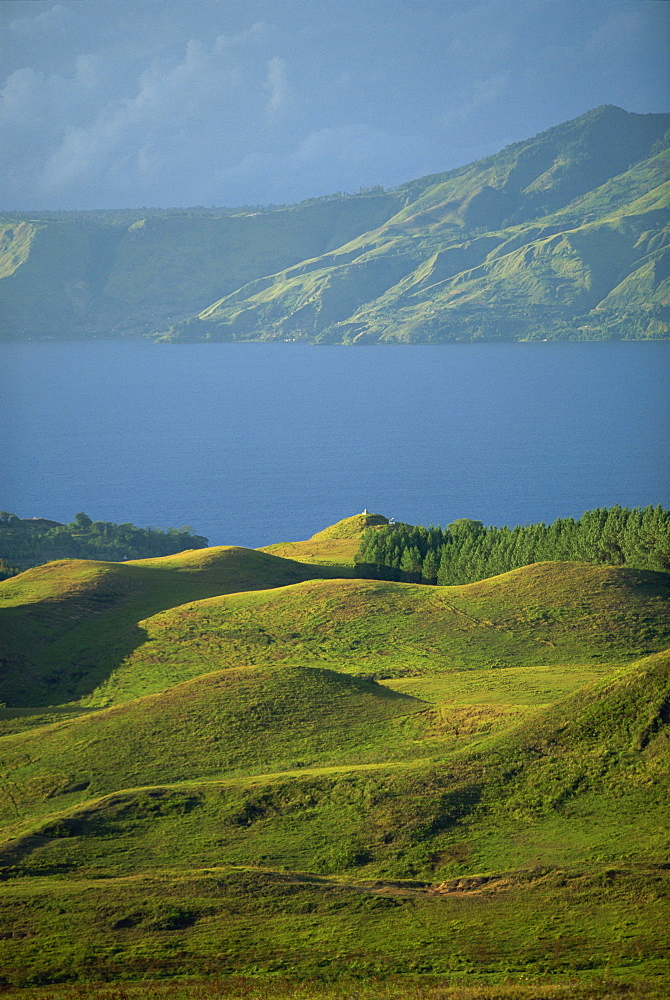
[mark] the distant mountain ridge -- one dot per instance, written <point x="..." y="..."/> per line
<point x="562" y="236"/>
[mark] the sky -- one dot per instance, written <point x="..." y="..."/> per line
<point x="178" y="103"/>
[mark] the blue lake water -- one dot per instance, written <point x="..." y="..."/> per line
<point x="257" y="443"/>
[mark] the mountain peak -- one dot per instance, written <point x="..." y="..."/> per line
<point x="460" y="255"/>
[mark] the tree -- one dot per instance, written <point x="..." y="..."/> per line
<point x="410" y="565"/>
<point x="466" y="526"/>
<point x="431" y="564"/>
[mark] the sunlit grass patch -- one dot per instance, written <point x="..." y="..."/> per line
<point x="553" y="614"/>
<point x="68" y="624"/>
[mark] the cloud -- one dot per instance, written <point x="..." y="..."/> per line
<point x="34" y="99"/>
<point x="180" y="119"/>
<point x="276" y="84"/>
<point x="478" y="95"/>
<point x="131" y="102"/>
<point x="58" y="18"/>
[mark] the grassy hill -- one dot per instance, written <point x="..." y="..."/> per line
<point x="373" y="628"/>
<point x="334" y="546"/>
<point x="242" y="720"/>
<point x="563" y="235"/>
<point x="67" y="624"/>
<point x="260" y="775"/>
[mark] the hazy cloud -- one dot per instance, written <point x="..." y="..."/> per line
<point x="477" y="95"/>
<point x="277" y="84"/>
<point x="177" y="113"/>
<point x="58" y="18"/>
<point x="130" y="102"/>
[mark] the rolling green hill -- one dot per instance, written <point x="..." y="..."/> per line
<point x="563" y="235"/>
<point x="334" y="546"/>
<point x="372" y="628"/>
<point x="67" y="624"/>
<point x="262" y="776"/>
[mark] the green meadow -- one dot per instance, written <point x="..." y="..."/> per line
<point x="237" y="773"/>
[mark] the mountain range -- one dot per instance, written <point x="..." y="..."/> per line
<point x="562" y="236"/>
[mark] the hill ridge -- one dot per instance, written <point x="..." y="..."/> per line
<point x="335" y="270"/>
<point x="52" y="611"/>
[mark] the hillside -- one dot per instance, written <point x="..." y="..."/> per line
<point x="334" y="546"/>
<point x="67" y="624"/>
<point x="563" y="235"/>
<point x="396" y="630"/>
<point x="255" y="773"/>
<point x="105" y="274"/>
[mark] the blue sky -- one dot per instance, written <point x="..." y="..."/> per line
<point x="108" y="103"/>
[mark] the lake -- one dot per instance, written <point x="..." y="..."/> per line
<point x="257" y="443"/>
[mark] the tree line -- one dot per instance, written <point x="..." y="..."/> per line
<point x="26" y="542"/>
<point x="466" y="550"/>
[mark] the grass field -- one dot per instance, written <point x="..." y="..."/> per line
<point x="592" y="616"/>
<point x="276" y="779"/>
<point x="400" y="988"/>
<point x="69" y="623"/>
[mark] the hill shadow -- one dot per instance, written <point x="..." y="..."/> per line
<point x="70" y="624"/>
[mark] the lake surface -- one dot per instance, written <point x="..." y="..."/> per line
<point x="258" y="443"/>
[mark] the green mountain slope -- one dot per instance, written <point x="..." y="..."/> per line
<point x="563" y="235"/>
<point x="103" y="275"/>
<point x="233" y="794"/>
